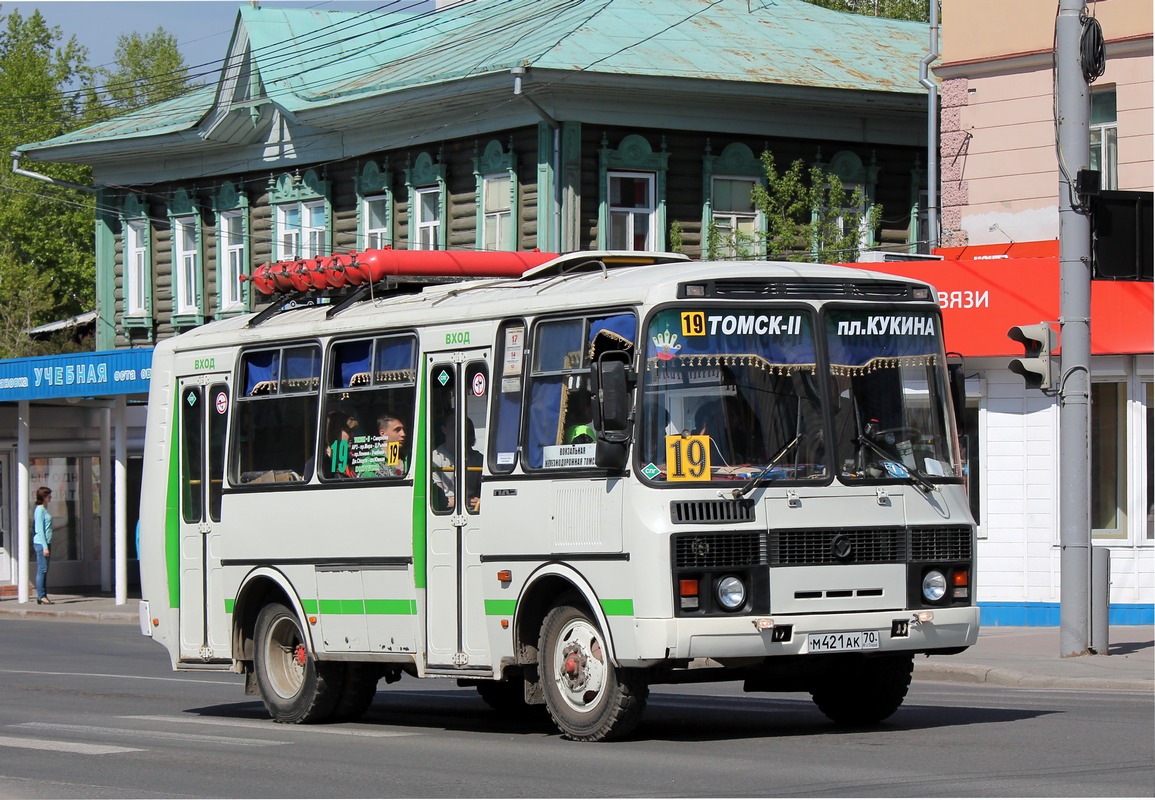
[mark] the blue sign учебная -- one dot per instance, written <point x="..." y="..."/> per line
<point x="108" y="372"/>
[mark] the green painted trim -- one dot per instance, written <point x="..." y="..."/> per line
<point x="618" y="608"/>
<point x="500" y="608"/>
<point x="420" y="487"/>
<point x="395" y="608"/>
<point x="309" y="606"/>
<point x="172" y="507"/>
<point x="106" y="225"/>
<point x="230" y="604"/>
<point x="341" y="606"/>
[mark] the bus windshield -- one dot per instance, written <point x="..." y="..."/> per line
<point x="730" y="395"/>
<point x="735" y="394"/>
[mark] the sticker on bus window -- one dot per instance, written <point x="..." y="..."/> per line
<point x="687" y="458"/>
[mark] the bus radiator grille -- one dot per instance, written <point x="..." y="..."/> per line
<point x="713" y="550"/>
<point x="940" y="544"/>
<point x="838" y="546"/>
<point x="696" y="512"/>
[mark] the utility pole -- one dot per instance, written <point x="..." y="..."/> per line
<point x="1072" y="124"/>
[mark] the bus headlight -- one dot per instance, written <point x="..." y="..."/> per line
<point x="933" y="585"/>
<point x="731" y="593"/>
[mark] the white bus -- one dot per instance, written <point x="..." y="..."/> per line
<point x="561" y="487"/>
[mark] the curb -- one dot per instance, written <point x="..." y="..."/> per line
<point x="999" y="676"/>
<point x="116" y="617"/>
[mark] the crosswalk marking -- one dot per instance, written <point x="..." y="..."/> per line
<point x="80" y="748"/>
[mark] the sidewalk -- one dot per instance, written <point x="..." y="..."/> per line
<point x="1019" y="657"/>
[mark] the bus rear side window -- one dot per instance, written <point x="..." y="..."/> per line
<point x="370" y="391"/>
<point x="276" y="415"/>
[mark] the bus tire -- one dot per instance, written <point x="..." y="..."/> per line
<point x="866" y="690"/>
<point x="588" y="698"/>
<point x="357" y="692"/>
<point x="294" y="686"/>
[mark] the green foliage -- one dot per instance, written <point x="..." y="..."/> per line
<point x="917" y="10"/>
<point x="47" y="264"/>
<point x="808" y="215"/>
<point x="47" y="232"/>
<point x="148" y="70"/>
<point x="675" y="237"/>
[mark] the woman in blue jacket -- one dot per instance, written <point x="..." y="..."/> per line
<point x="41" y="542"/>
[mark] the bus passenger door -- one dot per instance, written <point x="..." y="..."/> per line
<point x="458" y="404"/>
<point x="200" y="450"/>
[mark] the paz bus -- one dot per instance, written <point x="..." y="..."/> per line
<point x="559" y="480"/>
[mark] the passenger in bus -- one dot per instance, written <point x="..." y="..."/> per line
<point x="579" y="426"/>
<point x="444" y="467"/>
<point x="390" y="428"/>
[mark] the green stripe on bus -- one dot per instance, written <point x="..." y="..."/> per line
<point x="341" y="606"/>
<point x="500" y="608"/>
<point x="420" y="459"/>
<point x="230" y="604"/>
<point x="394" y="608"/>
<point x="172" y="507"/>
<point x="402" y="607"/>
<point x="618" y="608"/>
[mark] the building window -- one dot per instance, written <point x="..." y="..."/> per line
<point x="1109" y="460"/>
<point x="735" y="229"/>
<point x="495" y="172"/>
<point x="232" y="255"/>
<point x="428" y="221"/>
<point x="375" y="209"/>
<point x="1105" y="138"/>
<point x="301" y="221"/>
<point x="186" y="265"/>
<point x="631" y="210"/>
<point x="632" y="186"/>
<point x="1149" y="456"/>
<point x="497" y="214"/>
<point x="232" y="235"/>
<point x="374" y="213"/>
<point x="301" y="229"/>
<point x="136" y="268"/>
<point x="858" y="181"/>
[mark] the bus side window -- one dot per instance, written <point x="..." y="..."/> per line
<point x="276" y="415"/>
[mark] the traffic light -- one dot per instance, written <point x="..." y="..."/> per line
<point x="1036" y="366"/>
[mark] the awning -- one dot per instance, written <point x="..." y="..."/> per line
<point x="983" y="297"/>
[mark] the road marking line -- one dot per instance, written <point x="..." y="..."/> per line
<point x="65" y="747"/>
<point x="125" y="732"/>
<point x="270" y="725"/>
<point x="224" y="675"/>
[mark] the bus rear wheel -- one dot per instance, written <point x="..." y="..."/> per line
<point x="294" y="686"/>
<point x="865" y="690"/>
<point x="589" y="698"/>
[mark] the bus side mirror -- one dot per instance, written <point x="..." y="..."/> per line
<point x="958" y="388"/>
<point x="611" y="388"/>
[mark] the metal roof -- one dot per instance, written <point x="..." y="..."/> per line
<point x="309" y="59"/>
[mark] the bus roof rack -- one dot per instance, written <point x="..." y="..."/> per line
<point x="603" y="260"/>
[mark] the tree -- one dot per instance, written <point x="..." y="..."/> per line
<point x="917" y="10"/>
<point x="47" y="261"/>
<point x="148" y="70"/>
<point x="807" y="216"/>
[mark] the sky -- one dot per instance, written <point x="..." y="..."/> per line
<point x="202" y="27"/>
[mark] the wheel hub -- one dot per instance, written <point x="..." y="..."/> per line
<point x="300" y="655"/>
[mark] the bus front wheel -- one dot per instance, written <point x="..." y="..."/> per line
<point x="294" y="687"/>
<point x="866" y="690"/>
<point x="589" y="698"/>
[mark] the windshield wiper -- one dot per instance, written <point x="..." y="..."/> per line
<point x="894" y="466"/>
<point x="748" y="487"/>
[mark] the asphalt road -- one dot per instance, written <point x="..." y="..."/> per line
<point x="94" y="711"/>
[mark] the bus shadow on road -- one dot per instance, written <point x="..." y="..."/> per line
<point x="668" y="717"/>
